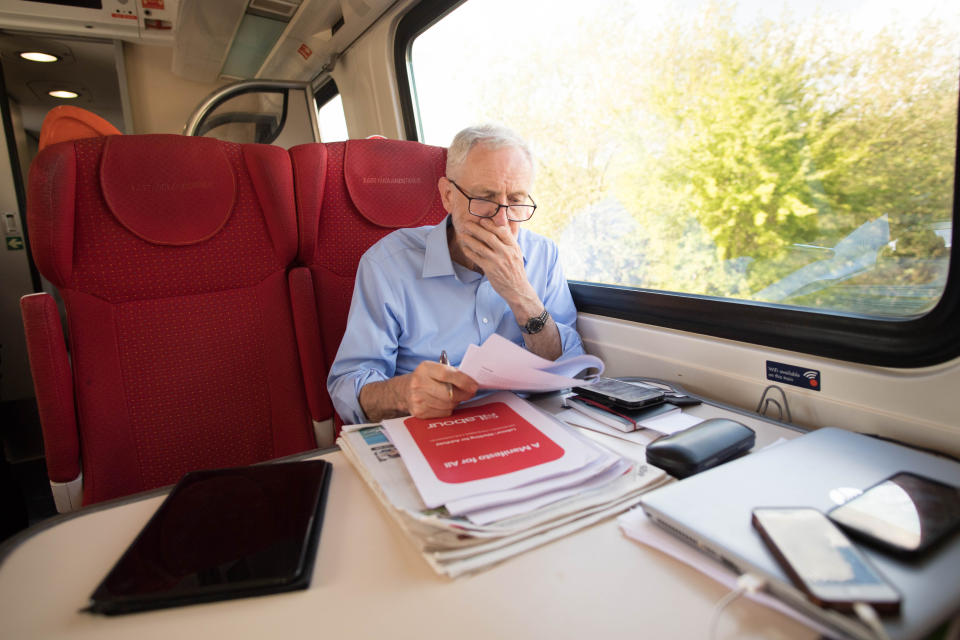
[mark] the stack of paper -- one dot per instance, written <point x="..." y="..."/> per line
<point x="500" y="364"/>
<point x="496" y="478"/>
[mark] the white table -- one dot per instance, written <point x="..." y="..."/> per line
<point x="369" y="582"/>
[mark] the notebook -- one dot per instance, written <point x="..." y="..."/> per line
<point x="220" y="534"/>
<point x="712" y="511"/>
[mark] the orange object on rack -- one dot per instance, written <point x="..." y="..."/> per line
<point x="71" y="123"/>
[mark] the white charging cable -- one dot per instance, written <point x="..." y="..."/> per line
<point x="746" y="583"/>
<point x="749" y="583"/>
<point x="869" y="616"/>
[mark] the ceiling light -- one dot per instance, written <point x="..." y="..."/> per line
<point x="251" y="44"/>
<point x="38" y="56"/>
<point x="64" y="94"/>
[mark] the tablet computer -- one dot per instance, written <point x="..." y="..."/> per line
<point x="221" y="534"/>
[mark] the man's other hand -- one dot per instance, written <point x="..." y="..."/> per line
<point x="432" y="390"/>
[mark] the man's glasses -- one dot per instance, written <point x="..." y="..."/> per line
<point x="488" y="208"/>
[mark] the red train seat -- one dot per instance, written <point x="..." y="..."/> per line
<point x="349" y="195"/>
<point x="172" y="255"/>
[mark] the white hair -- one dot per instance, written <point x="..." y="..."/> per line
<point x="493" y="135"/>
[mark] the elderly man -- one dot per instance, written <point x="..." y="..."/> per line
<point x="432" y="290"/>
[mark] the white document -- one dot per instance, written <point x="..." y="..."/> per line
<point x="501" y="443"/>
<point x="670" y="423"/>
<point x="453" y="545"/>
<point x="663" y="424"/>
<point x="500" y="364"/>
<point x="502" y="511"/>
<point x="577" y="419"/>
<point x="379" y="463"/>
<point x="527" y="491"/>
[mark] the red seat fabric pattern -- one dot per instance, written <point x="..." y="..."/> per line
<point x="171" y="255"/>
<point x="349" y="195"/>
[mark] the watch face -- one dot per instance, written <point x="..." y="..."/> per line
<point x="534" y="325"/>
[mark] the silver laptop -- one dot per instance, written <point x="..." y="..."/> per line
<point x="712" y="511"/>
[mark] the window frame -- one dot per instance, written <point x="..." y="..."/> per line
<point x="325" y="93"/>
<point x="926" y="340"/>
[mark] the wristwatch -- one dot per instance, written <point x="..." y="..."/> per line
<point x="536" y="323"/>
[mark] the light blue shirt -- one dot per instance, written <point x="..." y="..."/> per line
<point x="411" y="301"/>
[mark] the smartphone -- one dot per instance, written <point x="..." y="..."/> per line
<point x="906" y="513"/>
<point x="619" y="394"/>
<point x="821" y="560"/>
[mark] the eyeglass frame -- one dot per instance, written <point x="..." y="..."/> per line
<point x="470" y="199"/>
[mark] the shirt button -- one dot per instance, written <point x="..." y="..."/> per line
<point x="485" y="321"/>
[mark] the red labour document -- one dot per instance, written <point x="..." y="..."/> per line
<point x="481" y="442"/>
<point x="492" y="444"/>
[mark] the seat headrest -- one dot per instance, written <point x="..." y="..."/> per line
<point x="168" y="189"/>
<point x="67" y="122"/>
<point x="393" y="183"/>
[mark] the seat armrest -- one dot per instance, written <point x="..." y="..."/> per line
<point x="67" y="496"/>
<point x="53" y="383"/>
<point x="307" y="326"/>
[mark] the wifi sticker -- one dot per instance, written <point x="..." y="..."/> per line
<point x="792" y="374"/>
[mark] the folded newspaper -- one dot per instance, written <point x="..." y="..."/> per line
<point x="525" y="496"/>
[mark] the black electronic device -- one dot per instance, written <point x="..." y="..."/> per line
<point x="620" y="394"/>
<point x="701" y="447"/>
<point x="220" y="534"/>
<point x="621" y="419"/>
<point x="821" y="561"/>
<point x="906" y="513"/>
<point x="670" y="394"/>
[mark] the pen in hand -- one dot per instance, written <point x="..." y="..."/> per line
<point x="446" y="361"/>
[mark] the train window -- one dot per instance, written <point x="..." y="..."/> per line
<point x="333" y="124"/>
<point x="788" y="161"/>
<point x="259" y="111"/>
<point x="254" y="116"/>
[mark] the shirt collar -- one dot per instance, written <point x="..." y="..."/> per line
<point x="436" y="260"/>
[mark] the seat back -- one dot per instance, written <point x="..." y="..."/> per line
<point x="171" y="255"/>
<point x="349" y="195"/>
